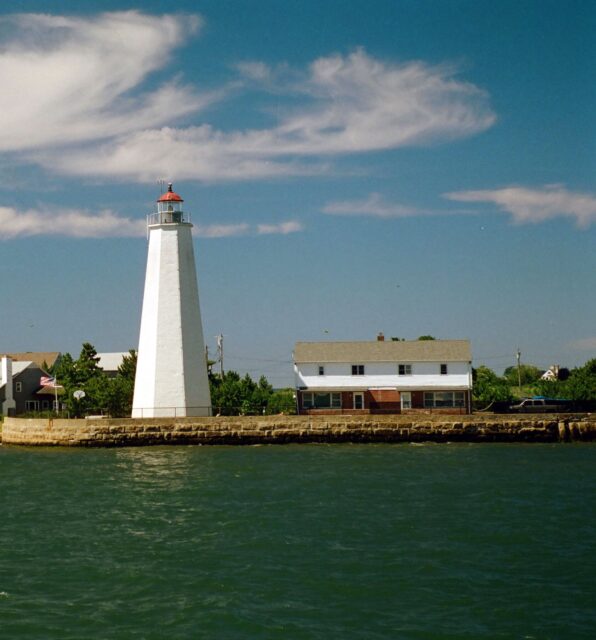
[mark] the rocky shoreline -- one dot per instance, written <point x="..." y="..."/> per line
<point x="250" y="430"/>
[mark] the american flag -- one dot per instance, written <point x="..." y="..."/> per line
<point x="47" y="381"/>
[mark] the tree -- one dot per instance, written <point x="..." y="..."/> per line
<point x="112" y="396"/>
<point x="232" y="395"/>
<point x="489" y="387"/>
<point x="581" y="385"/>
<point x="282" y="401"/>
<point x="87" y="367"/>
<point x="128" y="368"/>
<point x="426" y="338"/>
<point x="527" y="372"/>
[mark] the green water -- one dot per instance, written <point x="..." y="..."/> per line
<point x="312" y="541"/>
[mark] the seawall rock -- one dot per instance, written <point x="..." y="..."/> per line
<point x="94" y="432"/>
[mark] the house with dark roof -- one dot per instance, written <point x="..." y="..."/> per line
<point x="21" y="390"/>
<point x="414" y="376"/>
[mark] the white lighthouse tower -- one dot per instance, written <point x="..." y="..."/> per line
<point x="171" y="378"/>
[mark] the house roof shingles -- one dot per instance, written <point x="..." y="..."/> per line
<point x="384" y="351"/>
<point x="38" y="357"/>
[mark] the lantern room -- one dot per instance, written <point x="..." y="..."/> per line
<point x="169" y="209"/>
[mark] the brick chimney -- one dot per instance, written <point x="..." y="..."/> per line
<point x="380" y="337"/>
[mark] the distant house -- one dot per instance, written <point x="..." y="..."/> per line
<point x="110" y="362"/>
<point x="552" y="373"/>
<point x="383" y="376"/>
<point x="21" y="390"/>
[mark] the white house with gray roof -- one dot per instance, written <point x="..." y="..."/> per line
<point x="383" y="376"/>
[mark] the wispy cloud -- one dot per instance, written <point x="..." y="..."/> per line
<point x="585" y="344"/>
<point x="72" y="223"/>
<point x="374" y="206"/>
<point x="282" y="228"/>
<point x="533" y="205"/>
<point x="345" y="105"/>
<point x="222" y="230"/>
<point x="255" y="70"/>
<point x="69" y="79"/>
<point x="107" y="224"/>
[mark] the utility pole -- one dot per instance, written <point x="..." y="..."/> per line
<point x="518" y="356"/>
<point x="220" y="353"/>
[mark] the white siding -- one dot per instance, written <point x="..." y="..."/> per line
<point x="425" y="376"/>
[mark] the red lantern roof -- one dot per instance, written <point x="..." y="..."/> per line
<point x="170" y="196"/>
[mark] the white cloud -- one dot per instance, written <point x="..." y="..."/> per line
<point x="190" y="153"/>
<point x="72" y="223"/>
<point x="348" y="104"/>
<point x="373" y="206"/>
<point x="527" y="205"/>
<point x="107" y="224"/>
<point x="283" y="228"/>
<point x="69" y="79"/>
<point x="222" y="230"/>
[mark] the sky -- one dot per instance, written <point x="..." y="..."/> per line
<point x="406" y="167"/>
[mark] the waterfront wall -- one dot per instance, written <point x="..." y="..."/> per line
<point x="245" y="430"/>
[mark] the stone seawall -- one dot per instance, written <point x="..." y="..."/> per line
<point x="300" y="429"/>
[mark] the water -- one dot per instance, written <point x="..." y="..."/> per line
<point x="298" y="542"/>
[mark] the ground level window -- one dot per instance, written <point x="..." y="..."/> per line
<point x="404" y="369"/>
<point x="406" y="399"/>
<point x="314" y="400"/>
<point x="434" y="399"/>
<point x="357" y="369"/>
<point x="31" y="405"/>
<point x="358" y="401"/>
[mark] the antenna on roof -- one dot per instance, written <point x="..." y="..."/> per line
<point x="161" y="182"/>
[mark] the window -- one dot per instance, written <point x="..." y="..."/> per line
<point x="18" y="387"/>
<point x="443" y="369"/>
<point x="31" y="405"/>
<point x="357" y="369"/>
<point x="406" y="399"/>
<point x="444" y="399"/>
<point x="404" y="369"/>
<point x="358" y="401"/>
<point x="315" y="400"/>
<point x="321" y="370"/>
<point x="45" y="405"/>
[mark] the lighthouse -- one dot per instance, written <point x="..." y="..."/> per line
<point x="171" y="378"/>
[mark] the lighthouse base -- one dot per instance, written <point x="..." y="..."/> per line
<point x="172" y="412"/>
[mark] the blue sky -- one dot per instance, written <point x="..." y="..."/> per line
<point x="351" y="167"/>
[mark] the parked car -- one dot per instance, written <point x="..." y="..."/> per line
<point x="540" y="404"/>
